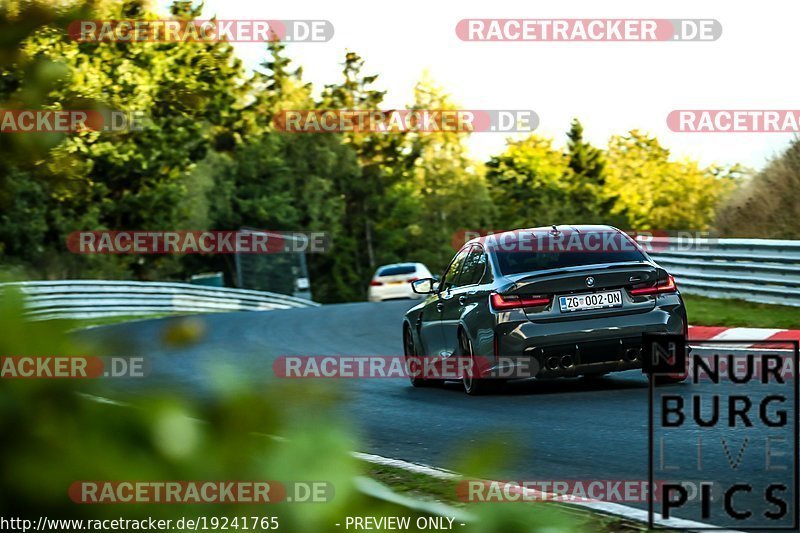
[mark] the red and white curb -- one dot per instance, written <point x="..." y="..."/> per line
<point x="761" y="337"/>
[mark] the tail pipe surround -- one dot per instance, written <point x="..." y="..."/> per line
<point x="633" y="354"/>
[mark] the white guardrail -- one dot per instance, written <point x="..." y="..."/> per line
<point x="757" y="270"/>
<point x="46" y="300"/>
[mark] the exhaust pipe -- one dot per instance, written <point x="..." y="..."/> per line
<point x="552" y="363"/>
<point x="632" y="354"/>
<point x="567" y="362"/>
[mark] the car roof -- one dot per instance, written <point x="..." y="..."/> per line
<point x="564" y="228"/>
<point x="417" y="266"/>
<point x="398" y="264"/>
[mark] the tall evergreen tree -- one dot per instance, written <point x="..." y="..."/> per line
<point x="587" y="176"/>
<point x="584" y="159"/>
<point x="379" y="155"/>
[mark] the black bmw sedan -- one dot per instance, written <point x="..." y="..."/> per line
<point x="559" y="301"/>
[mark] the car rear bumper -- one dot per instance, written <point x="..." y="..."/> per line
<point x="587" y="346"/>
<point x="528" y="367"/>
<point x="388" y="292"/>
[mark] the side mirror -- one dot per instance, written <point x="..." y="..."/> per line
<point x="425" y="286"/>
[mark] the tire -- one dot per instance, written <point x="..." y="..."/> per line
<point x="472" y="386"/>
<point x="410" y="350"/>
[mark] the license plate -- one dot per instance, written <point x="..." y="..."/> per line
<point x="595" y="300"/>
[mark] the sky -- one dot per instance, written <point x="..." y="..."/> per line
<point x="611" y="87"/>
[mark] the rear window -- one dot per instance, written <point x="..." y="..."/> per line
<point x="397" y="270"/>
<point x="516" y="260"/>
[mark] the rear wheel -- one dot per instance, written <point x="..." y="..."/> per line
<point x="473" y="385"/>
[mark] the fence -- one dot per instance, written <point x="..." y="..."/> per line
<point x="285" y="272"/>
<point x="95" y="298"/>
<point x="757" y="270"/>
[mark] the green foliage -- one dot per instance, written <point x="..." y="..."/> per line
<point x="441" y="192"/>
<point x="587" y="179"/>
<point x="765" y="205"/>
<point x="380" y="159"/>
<point x="208" y="156"/>
<point x="57" y="432"/>
<point x="189" y="95"/>
<point x="527" y="185"/>
<point x="654" y="192"/>
<point x="634" y="184"/>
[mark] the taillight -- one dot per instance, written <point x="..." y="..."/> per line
<point x="661" y="287"/>
<point x="412" y="280"/>
<point x="375" y="283"/>
<point x="512" y="301"/>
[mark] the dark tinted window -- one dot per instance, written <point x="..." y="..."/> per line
<point x="592" y="248"/>
<point x="397" y="270"/>
<point x="474" y="265"/>
<point x="452" y="272"/>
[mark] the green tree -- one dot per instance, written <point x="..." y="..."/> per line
<point x="379" y="156"/>
<point x="765" y="204"/>
<point x="287" y="181"/>
<point x="444" y="191"/>
<point x="652" y="191"/>
<point x="527" y="184"/>
<point x="190" y="94"/>
<point x="587" y="176"/>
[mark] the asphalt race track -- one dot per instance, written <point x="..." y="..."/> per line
<point x="538" y="430"/>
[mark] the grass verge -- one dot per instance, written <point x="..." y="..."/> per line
<point x="703" y="311"/>
<point x="421" y="486"/>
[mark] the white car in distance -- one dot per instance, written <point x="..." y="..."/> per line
<point x="394" y="281"/>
